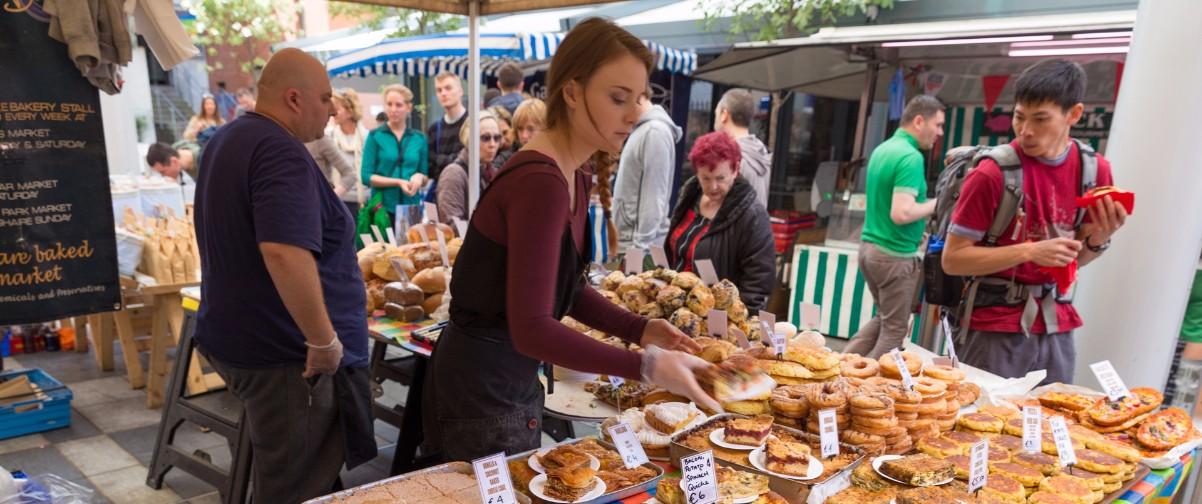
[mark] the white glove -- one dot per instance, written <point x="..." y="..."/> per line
<point x="674" y="372"/>
<point x="323" y="359"/>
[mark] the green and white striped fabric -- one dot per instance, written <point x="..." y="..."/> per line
<point x="830" y="278"/>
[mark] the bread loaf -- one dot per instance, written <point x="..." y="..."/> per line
<point x="415" y="236"/>
<point x="404" y="293"/>
<point x="403" y="313"/>
<point x="432" y="281"/>
<point x="432" y="303"/>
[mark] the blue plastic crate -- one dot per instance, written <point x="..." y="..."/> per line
<point x="49" y="409"/>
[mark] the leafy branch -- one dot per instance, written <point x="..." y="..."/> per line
<point x="774" y="19"/>
<point x="409" y="21"/>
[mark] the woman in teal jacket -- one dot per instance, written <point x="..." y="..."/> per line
<point x="394" y="156"/>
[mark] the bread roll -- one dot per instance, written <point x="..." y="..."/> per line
<point x="403" y="293"/>
<point x="382" y="266"/>
<point x="432" y="281"/>
<point x="432" y="303"/>
<point x="367" y="258"/>
<point x="416" y="237"/>
<point x="403" y="313"/>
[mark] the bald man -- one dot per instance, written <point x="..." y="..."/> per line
<point x="283" y="319"/>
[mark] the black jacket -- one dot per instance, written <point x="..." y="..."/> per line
<point x="739" y="241"/>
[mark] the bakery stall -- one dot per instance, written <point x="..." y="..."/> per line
<point x="801" y="423"/>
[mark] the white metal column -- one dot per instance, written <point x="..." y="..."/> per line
<point x="1133" y="298"/>
<point x="473" y="106"/>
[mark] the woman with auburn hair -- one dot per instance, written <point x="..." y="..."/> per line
<point x="521" y="268"/>
<point x="717" y="217"/>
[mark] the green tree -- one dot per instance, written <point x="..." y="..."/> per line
<point x="410" y="21"/>
<point x="774" y="19"/>
<point x="242" y="26"/>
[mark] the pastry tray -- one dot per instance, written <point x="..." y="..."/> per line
<point x="610" y="496"/>
<point x="452" y="467"/>
<point x="794" y="491"/>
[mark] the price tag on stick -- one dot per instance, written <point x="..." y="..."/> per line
<point x="431" y="211"/>
<point x="366" y="238"/>
<point x="828" y="429"/>
<point x="442" y="249"/>
<point x="715" y="321"/>
<point x="978" y="466"/>
<point x="492" y="477"/>
<point x="811" y="316"/>
<point x="705" y="269"/>
<point x="907" y="380"/>
<point x="658" y="256"/>
<point x="634" y="261"/>
<point x="699" y="482"/>
<point x="1032" y="429"/>
<point x="421" y="232"/>
<point x="1111" y="383"/>
<point x="949" y="344"/>
<point x="1064" y="443"/>
<point x="460" y="226"/>
<point x="628" y="445"/>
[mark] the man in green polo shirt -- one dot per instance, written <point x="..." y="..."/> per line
<point x="893" y="226"/>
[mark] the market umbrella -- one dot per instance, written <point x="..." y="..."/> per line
<point x="429" y="55"/>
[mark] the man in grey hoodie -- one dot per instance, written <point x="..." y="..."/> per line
<point x="644" y="185"/>
<point x="733" y="117"/>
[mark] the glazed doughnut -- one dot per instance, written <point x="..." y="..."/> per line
<point x="932" y="408"/>
<point x="812" y="425"/>
<point x="881" y="381"/>
<point x="907" y="417"/>
<point x="953" y="407"/>
<point x="796" y="423"/>
<point x="943" y="373"/>
<point x="827" y="397"/>
<point x="855" y="437"/>
<point x="879" y="426"/>
<point x="860" y="367"/>
<point x="790" y="401"/>
<point x="929" y="387"/>
<point x="902" y="396"/>
<point x="870" y="401"/>
<point x="889" y="367"/>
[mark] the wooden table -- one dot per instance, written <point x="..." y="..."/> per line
<point x="166" y="312"/>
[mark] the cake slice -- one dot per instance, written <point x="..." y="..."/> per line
<point x="570" y="484"/>
<point x="786" y="457"/>
<point x="736" y="379"/>
<point x="748" y="431"/>
<point x="919" y="470"/>
<point x="670" y="418"/>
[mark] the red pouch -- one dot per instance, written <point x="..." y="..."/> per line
<point x="1125" y="198"/>
<point x="1063" y="275"/>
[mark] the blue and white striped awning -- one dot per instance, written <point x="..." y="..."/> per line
<point x="429" y="55"/>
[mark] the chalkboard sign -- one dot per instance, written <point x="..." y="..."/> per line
<point x="58" y="254"/>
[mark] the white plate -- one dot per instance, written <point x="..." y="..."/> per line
<point x="743" y="500"/>
<point x="718" y="437"/>
<point x="538" y="467"/>
<point x="876" y="466"/>
<point x="539" y="482"/>
<point x="759" y="460"/>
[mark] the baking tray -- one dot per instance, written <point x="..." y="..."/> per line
<point x="611" y="496"/>
<point x="796" y="492"/>
<point x="451" y="467"/>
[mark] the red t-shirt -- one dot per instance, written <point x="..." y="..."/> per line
<point x="1049" y="205"/>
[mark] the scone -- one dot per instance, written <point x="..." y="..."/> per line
<point x="725" y="293"/>
<point x="700" y="300"/>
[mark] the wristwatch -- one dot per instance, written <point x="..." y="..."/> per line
<point x="1097" y="249"/>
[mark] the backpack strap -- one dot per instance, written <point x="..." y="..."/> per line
<point x="1012" y="189"/>
<point x="1089" y="175"/>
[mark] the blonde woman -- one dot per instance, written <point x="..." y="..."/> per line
<point x="349" y="135"/>
<point x="453" y="180"/>
<point x="207" y="117"/>
<point x="529" y="118"/>
<point x="395" y="156"/>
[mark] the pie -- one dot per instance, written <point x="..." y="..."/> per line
<point x="749" y="431"/>
<point x="919" y="470"/>
<point x="1106" y="413"/>
<point x="740" y="485"/>
<point x="1165" y="429"/>
<point x="786" y="457"/>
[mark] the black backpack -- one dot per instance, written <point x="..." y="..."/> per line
<point x="948" y="290"/>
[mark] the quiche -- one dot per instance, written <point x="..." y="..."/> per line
<point x="1165" y="429"/>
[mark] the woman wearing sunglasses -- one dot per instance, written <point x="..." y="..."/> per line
<point x="452" y="182"/>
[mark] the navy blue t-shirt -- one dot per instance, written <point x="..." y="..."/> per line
<point x="258" y="184"/>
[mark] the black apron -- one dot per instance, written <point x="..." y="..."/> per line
<point x="481" y="395"/>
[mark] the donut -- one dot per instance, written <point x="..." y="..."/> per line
<point x="903" y="416"/>
<point x="796" y="423"/>
<point x="943" y="373"/>
<point x="858" y="438"/>
<point x="889" y="367"/>
<point x="953" y="407"/>
<point x="933" y="408"/>
<point x="881" y="381"/>
<point x="929" y="387"/>
<point x="878" y="426"/>
<point x="902" y="396"/>
<point x="946" y="424"/>
<point x="790" y="401"/>
<point x="813" y="426"/>
<point x="864" y="401"/>
<point x="827" y="397"/>
<point x="860" y="367"/>
<point x="968" y="392"/>
<point x="919" y="432"/>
